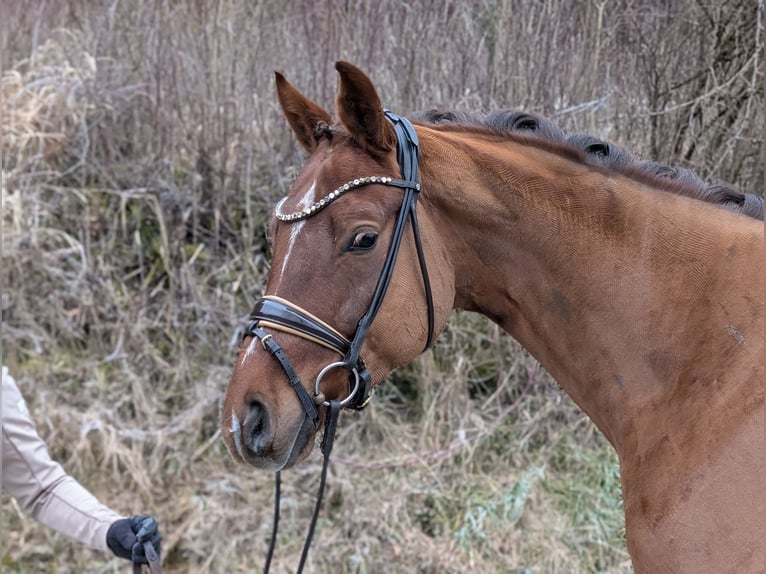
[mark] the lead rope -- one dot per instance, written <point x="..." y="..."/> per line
<point x="333" y="412"/>
<point x="275" y="524"/>
<point x="331" y="424"/>
<point x="155" y="567"/>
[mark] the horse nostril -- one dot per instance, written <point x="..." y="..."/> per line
<point x="256" y="419"/>
<point x="255" y="427"/>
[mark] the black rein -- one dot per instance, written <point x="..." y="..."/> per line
<point x="153" y="560"/>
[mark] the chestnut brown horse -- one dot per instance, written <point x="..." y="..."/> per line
<point x="644" y="303"/>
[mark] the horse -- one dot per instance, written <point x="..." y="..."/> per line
<point x="642" y="297"/>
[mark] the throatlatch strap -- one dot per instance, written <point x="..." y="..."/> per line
<point x="407" y="154"/>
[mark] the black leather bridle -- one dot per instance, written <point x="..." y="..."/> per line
<point x="282" y="315"/>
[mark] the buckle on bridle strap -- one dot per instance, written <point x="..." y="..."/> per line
<point x="273" y="348"/>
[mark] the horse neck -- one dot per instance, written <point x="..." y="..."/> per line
<point x="619" y="290"/>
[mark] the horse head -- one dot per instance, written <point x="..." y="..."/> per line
<point x="335" y="237"/>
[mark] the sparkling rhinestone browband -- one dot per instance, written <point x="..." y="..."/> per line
<point x="335" y="194"/>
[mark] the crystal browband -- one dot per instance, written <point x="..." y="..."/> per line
<point x="333" y="195"/>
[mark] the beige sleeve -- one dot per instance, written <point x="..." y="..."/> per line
<point x="40" y="485"/>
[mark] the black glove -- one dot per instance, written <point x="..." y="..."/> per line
<point x="126" y="537"/>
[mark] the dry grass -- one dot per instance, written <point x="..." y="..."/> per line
<point x="142" y="150"/>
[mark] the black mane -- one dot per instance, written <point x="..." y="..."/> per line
<point x="602" y="153"/>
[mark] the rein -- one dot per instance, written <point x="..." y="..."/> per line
<point x="282" y="315"/>
<point x="154" y="564"/>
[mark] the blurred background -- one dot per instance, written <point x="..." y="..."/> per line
<point x="143" y="150"/>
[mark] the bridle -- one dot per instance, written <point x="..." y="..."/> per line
<point x="282" y="315"/>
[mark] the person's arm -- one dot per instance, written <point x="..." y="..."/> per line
<point x="40" y="485"/>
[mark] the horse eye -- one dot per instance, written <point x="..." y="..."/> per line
<point x="362" y="241"/>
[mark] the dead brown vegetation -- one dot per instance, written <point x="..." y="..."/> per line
<point x="142" y="151"/>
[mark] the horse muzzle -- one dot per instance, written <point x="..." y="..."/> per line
<point x="255" y="438"/>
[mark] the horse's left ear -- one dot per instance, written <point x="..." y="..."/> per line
<point x="360" y="110"/>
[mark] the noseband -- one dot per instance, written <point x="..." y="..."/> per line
<point x="282" y="315"/>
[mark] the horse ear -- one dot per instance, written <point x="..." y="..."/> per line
<point x="304" y="116"/>
<point x="360" y="110"/>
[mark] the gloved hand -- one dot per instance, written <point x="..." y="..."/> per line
<point x="126" y="537"/>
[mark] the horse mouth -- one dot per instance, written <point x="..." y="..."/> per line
<point x="302" y="444"/>
<point x="275" y="455"/>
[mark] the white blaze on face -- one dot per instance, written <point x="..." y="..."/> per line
<point x="295" y="228"/>
<point x="251" y="348"/>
